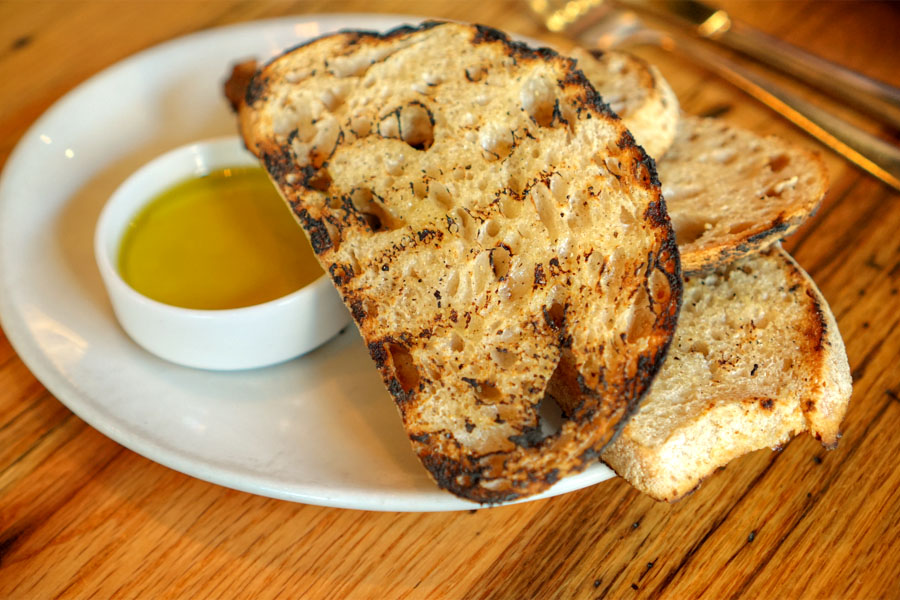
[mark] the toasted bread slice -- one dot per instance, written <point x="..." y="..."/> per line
<point x="496" y="233"/>
<point x="757" y="358"/>
<point x="638" y="93"/>
<point x="728" y="191"/>
<point x="731" y="193"/>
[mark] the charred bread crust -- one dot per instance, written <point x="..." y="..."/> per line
<point x="753" y="240"/>
<point x="423" y="269"/>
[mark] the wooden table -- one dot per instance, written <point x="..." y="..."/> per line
<point x="81" y="516"/>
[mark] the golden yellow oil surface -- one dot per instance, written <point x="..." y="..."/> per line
<point x="224" y="240"/>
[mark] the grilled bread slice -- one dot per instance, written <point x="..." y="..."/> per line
<point x="496" y="233"/>
<point x="638" y="93"/>
<point x="757" y="358"/>
<point x="728" y="191"/>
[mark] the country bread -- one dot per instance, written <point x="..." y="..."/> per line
<point x="495" y="231"/>
<point x="757" y="358"/>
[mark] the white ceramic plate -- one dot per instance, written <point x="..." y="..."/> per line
<point x="320" y="429"/>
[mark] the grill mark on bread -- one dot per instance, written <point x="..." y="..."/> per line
<point x="340" y="274"/>
<point x="315" y="229"/>
<point x="357" y="311"/>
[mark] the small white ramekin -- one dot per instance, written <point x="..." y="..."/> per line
<point x="240" y="338"/>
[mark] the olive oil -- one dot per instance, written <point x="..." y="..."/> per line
<point x="224" y="240"/>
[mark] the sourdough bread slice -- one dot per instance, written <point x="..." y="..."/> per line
<point x="731" y="193"/>
<point x="638" y="93"/>
<point x="496" y="233"/>
<point x="757" y="358"/>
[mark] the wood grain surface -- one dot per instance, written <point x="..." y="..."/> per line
<point x="81" y="516"/>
